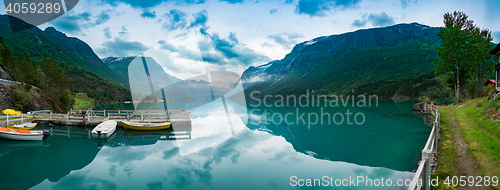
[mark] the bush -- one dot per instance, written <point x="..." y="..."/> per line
<point x="22" y="99"/>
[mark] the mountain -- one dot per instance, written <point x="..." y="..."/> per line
<point x="55" y="44"/>
<point x="120" y="65"/>
<point x="155" y="83"/>
<point x="77" y="58"/>
<point x="367" y="61"/>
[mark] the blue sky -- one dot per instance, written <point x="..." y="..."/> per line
<point x="235" y="34"/>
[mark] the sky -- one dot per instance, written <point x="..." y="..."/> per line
<point x="188" y="37"/>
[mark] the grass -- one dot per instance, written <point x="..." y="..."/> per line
<point x="446" y="163"/>
<point x="82" y="101"/>
<point x="484" y="144"/>
<point x="82" y="98"/>
<point x="82" y="106"/>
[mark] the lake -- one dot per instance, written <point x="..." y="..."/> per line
<point x="249" y="147"/>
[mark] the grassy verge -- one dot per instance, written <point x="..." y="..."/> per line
<point x="482" y="146"/>
<point x="446" y="164"/>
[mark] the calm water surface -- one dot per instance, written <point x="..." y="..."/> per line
<point x="225" y="151"/>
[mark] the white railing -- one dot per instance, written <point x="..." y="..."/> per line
<point x="128" y="114"/>
<point x="111" y="114"/>
<point x="14" y="118"/>
<point x="422" y="177"/>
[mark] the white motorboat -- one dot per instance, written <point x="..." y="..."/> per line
<point x="104" y="129"/>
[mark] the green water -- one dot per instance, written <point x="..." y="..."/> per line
<point x="226" y="151"/>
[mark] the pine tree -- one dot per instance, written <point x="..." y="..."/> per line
<point x="28" y="72"/>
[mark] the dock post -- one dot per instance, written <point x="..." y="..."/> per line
<point x="128" y="117"/>
<point x="50" y="115"/>
<point x="7" y="119"/>
<point x="33" y="117"/>
<point x="105" y="113"/>
<point x="22" y="117"/>
<point x="142" y="116"/>
<point x="68" y="116"/>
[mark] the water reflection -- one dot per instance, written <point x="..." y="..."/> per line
<point x="255" y="156"/>
<point x="26" y="167"/>
<point x="390" y="137"/>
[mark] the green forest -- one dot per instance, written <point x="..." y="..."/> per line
<point x="58" y="80"/>
<point x="47" y="75"/>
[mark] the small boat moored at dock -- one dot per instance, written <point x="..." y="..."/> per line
<point x="104" y="129"/>
<point x="145" y="126"/>
<point x="22" y="126"/>
<point x="23" y="135"/>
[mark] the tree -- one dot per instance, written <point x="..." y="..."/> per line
<point x="481" y="45"/>
<point x="22" y="98"/>
<point x="9" y="62"/>
<point x="40" y="76"/>
<point x="462" y="51"/>
<point x="27" y="70"/>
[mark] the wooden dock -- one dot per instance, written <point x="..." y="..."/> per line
<point x="181" y="119"/>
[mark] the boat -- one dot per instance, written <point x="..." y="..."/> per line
<point x="145" y="126"/>
<point x="23" y="126"/>
<point x="23" y="135"/>
<point x="104" y="129"/>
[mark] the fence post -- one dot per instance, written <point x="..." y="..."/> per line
<point x="33" y="117"/>
<point x="104" y="113"/>
<point x="7" y="119"/>
<point x="22" y="117"/>
<point x="435" y="136"/>
<point x="424" y="170"/>
<point x="50" y="115"/>
<point x="142" y="116"/>
<point x="426" y="179"/>
<point x="68" y="116"/>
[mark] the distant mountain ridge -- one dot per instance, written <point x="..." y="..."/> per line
<point x="119" y="65"/>
<point x="364" y="60"/>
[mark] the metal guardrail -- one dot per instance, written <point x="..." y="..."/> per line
<point x="421" y="179"/>
<point x="9" y="83"/>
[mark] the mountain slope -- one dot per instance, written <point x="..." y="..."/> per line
<point x="75" y="57"/>
<point x="364" y="61"/>
<point x="66" y="50"/>
<point x="120" y="66"/>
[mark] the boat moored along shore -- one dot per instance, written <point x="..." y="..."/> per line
<point x="23" y="126"/>
<point x="145" y="126"/>
<point x="104" y="130"/>
<point x="23" y="135"/>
